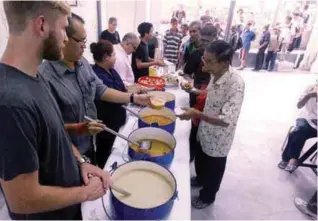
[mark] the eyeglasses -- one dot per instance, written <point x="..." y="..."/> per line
<point x="83" y="41"/>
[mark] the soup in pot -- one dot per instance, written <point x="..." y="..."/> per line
<point x="160" y="120"/>
<point x="158" y="148"/>
<point x="148" y="189"/>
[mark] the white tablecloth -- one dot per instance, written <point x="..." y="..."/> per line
<point x="179" y="167"/>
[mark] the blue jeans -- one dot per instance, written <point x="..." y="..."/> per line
<point x="297" y="139"/>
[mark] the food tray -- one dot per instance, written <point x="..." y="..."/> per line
<point x="152" y="82"/>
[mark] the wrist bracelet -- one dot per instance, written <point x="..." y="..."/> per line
<point x="81" y="128"/>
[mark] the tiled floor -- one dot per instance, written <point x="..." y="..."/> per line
<point x="253" y="187"/>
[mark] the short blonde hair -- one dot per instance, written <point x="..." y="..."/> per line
<point x="19" y="12"/>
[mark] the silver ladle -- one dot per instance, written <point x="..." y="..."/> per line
<point x="143" y="145"/>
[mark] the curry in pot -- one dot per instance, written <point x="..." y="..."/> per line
<point x="158" y="148"/>
<point x="160" y="120"/>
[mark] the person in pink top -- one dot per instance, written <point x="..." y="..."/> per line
<point x="128" y="45"/>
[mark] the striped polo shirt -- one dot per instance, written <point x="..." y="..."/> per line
<point x="172" y="42"/>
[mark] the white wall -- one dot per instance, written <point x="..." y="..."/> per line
<point x="130" y="13"/>
<point x="88" y="11"/>
<point x="4" y="34"/>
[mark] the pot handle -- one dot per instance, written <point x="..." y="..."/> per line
<point x="156" y="125"/>
<point x="175" y="195"/>
<point x="113" y="167"/>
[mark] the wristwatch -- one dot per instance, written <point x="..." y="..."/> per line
<point x="83" y="159"/>
<point x="132" y="98"/>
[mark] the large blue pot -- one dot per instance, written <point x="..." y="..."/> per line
<point x="154" y="134"/>
<point x="123" y="211"/>
<point x="165" y="112"/>
<point x="167" y="96"/>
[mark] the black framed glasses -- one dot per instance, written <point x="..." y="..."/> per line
<point x="81" y="41"/>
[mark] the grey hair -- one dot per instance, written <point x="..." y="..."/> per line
<point x="130" y="38"/>
<point x="111" y="20"/>
<point x="198" y="24"/>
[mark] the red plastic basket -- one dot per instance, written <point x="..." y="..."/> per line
<point x="152" y="82"/>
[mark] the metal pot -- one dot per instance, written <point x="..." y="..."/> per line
<point x="165" y="112"/>
<point x="123" y="211"/>
<point x="154" y="134"/>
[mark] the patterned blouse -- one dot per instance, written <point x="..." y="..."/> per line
<point x="224" y="99"/>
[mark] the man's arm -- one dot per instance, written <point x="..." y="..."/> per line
<point x="19" y="162"/>
<point x="115" y="96"/>
<point x="25" y="195"/>
<point x="216" y="120"/>
<point x="266" y="41"/>
<point x="76" y="153"/>
<point x="141" y="65"/>
<point x="75" y="128"/>
<point x="310" y="93"/>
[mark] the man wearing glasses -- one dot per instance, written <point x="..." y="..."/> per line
<point x="123" y="65"/>
<point x="75" y="86"/>
<point x="218" y="120"/>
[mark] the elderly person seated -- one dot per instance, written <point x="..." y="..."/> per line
<point x="123" y="61"/>
<point x="104" y="56"/>
<point x="306" y="127"/>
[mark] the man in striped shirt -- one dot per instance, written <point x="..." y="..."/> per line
<point x="172" y="41"/>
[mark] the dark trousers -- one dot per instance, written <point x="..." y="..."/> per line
<point x="104" y="145"/>
<point x="209" y="172"/>
<point x="78" y="215"/>
<point x="297" y="139"/>
<point x="312" y="204"/>
<point x="270" y="60"/>
<point x="193" y="140"/>
<point x="259" y="59"/>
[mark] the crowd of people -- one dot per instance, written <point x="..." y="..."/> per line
<point x="283" y="37"/>
<point x="48" y="160"/>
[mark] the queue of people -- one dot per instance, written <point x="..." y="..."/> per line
<point x="286" y="38"/>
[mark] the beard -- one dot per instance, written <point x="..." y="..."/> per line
<point x="51" y="50"/>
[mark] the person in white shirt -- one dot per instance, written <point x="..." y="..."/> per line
<point x="287" y="34"/>
<point x="123" y="62"/>
<point x="218" y="120"/>
<point x="306" y="127"/>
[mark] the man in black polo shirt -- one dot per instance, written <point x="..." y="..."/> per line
<point x="39" y="175"/>
<point x="263" y="43"/>
<point x="140" y="58"/>
<point x="111" y="34"/>
<point x="193" y="69"/>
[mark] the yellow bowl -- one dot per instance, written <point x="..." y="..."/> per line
<point x="157" y="102"/>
